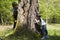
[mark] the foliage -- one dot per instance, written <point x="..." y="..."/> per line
<point x="50" y="9"/>
<point x="54" y="11"/>
<point x="6" y="11"/>
<point x="42" y="8"/>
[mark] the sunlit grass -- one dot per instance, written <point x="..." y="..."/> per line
<point x="53" y="31"/>
<point x="5" y="33"/>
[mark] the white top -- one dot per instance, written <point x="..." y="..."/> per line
<point x="42" y="21"/>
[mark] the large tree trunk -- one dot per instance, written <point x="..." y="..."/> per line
<point x="27" y="11"/>
<point x="25" y="27"/>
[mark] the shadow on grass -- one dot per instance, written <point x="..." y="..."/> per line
<point x="29" y="36"/>
<point x="34" y="37"/>
<point x="23" y="36"/>
<point x="54" y="38"/>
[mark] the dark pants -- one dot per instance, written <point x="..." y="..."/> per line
<point x="15" y="20"/>
<point x="38" y="28"/>
<point x="14" y="25"/>
<point x="41" y="29"/>
<point x="44" y="30"/>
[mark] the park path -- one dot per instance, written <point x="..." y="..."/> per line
<point x="5" y="27"/>
<point x="53" y="26"/>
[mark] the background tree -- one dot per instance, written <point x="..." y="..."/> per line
<point x="6" y="12"/>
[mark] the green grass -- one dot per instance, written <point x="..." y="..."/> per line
<point x="3" y="33"/>
<point x="53" y="31"/>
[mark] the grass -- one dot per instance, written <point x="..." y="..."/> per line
<point x="53" y="31"/>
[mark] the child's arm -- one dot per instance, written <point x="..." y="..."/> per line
<point x="38" y="22"/>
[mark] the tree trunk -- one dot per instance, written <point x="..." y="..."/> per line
<point x="27" y="11"/>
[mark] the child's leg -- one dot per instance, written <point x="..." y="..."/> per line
<point x="43" y="29"/>
<point x="15" y="20"/>
<point x="14" y="25"/>
<point x="43" y="32"/>
<point x="46" y="32"/>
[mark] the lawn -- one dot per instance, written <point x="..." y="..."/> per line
<point x="53" y="31"/>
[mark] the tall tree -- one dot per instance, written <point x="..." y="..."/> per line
<point x="25" y="27"/>
<point x="27" y="11"/>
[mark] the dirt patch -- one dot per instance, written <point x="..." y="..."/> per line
<point x="5" y="27"/>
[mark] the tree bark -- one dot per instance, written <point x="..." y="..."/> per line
<point x="27" y="11"/>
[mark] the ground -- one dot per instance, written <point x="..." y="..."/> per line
<point x="4" y="29"/>
<point x="53" y="31"/>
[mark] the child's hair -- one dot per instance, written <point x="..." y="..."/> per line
<point x="14" y="4"/>
<point x="38" y="16"/>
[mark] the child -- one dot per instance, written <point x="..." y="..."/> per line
<point x="15" y="12"/>
<point x="38" y="25"/>
<point x="41" y="27"/>
<point x="44" y="30"/>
